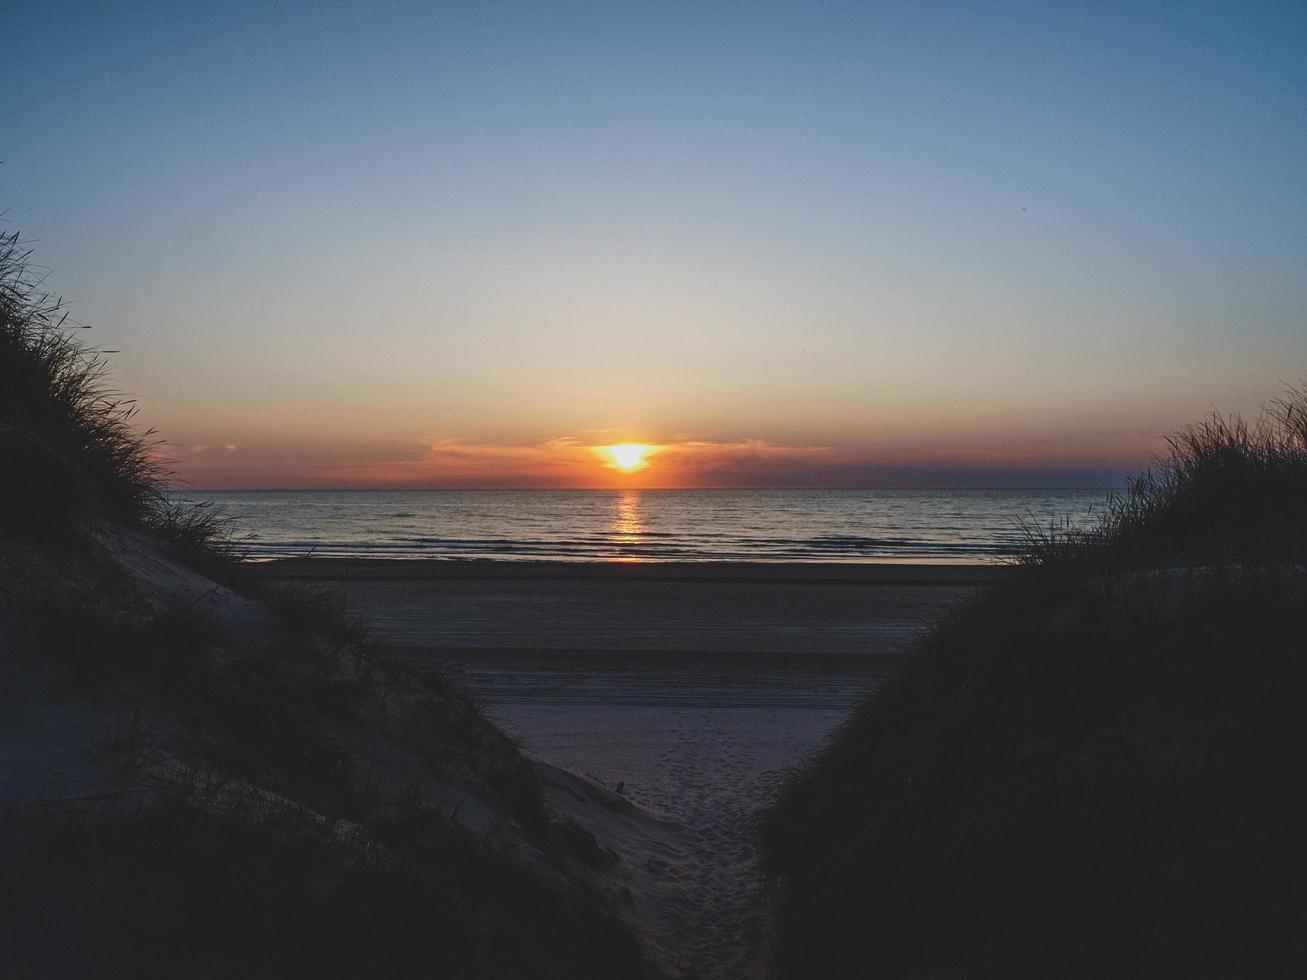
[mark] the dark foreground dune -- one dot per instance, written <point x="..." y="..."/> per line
<point x="1094" y="771"/>
<point x="202" y="775"/>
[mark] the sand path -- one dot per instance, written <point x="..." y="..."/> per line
<point x="708" y="771"/>
<point x="694" y="692"/>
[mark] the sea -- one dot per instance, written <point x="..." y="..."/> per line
<point x="650" y="525"/>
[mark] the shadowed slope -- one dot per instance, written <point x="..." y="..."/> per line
<point x="205" y="775"/>
<point x="1094" y="769"/>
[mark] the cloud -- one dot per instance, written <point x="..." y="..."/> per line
<point x="567" y="462"/>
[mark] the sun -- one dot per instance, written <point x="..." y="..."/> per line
<point x="629" y="457"/>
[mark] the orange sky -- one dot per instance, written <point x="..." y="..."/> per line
<point x="570" y="463"/>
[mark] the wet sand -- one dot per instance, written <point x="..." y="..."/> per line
<point x="694" y="687"/>
<point x="788" y="612"/>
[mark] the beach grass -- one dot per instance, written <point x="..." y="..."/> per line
<point x="240" y="780"/>
<point x="1093" y="769"/>
<point x="1227" y="493"/>
<point x="68" y="434"/>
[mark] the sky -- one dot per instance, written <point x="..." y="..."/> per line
<point x="806" y="244"/>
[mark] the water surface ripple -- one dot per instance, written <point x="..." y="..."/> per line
<point x="649" y="525"/>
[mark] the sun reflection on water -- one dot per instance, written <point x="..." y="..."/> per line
<point x="627" y="528"/>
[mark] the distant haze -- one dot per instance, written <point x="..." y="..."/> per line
<point x="802" y="245"/>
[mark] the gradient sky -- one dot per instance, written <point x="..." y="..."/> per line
<point x="804" y="244"/>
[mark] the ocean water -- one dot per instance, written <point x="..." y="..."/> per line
<point x="649" y="525"/>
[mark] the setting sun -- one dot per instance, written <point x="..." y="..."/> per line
<point x="629" y="457"/>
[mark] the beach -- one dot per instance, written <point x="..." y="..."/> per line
<point x="691" y="688"/>
<point x="542" y="641"/>
<point x="651" y="491"/>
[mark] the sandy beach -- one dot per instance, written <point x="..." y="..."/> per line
<point x="693" y="687"/>
<point x="651" y="491"/>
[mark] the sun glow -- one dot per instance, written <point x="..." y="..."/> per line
<point x="629" y="457"/>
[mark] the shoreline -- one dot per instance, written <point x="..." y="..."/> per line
<point x="871" y="573"/>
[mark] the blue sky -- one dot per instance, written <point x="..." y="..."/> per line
<point x="997" y="240"/>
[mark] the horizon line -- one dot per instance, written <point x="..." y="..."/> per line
<point x="732" y="489"/>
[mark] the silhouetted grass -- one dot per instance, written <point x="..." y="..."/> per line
<point x="69" y="452"/>
<point x="67" y="432"/>
<point x="279" y="795"/>
<point x="1093" y="770"/>
<point x="1227" y="493"/>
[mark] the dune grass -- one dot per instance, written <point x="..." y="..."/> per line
<point x="67" y="430"/>
<point x="271" y="813"/>
<point x="1094" y="769"/>
<point x="70" y="452"/>
<point x="1228" y="492"/>
<point x="278" y="799"/>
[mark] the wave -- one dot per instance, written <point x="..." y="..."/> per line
<point x="695" y="526"/>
